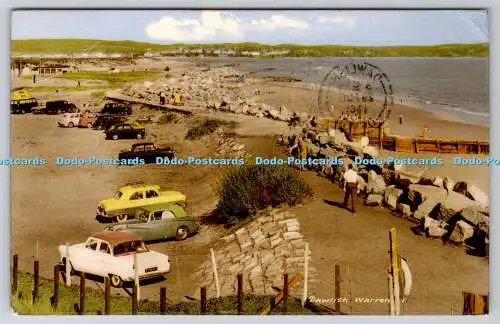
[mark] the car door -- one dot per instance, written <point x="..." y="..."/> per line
<point x="104" y="259"/>
<point x="137" y="198"/>
<point x="149" y="153"/>
<point x="170" y="223"/>
<point x="156" y="226"/>
<point x="86" y="259"/>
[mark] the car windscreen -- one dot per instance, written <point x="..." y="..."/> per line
<point x="130" y="247"/>
<point x="118" y="194"/>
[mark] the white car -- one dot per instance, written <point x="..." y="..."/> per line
<point x="112" y="254"/>
<point x="69" y="120"/>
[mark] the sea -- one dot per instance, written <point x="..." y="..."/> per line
<point x="459" y="86"/>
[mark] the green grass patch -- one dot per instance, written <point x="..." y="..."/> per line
<point x="98" y="94"/>
<point x="207" y="127"/>
<point x="248" y="189"/>
<point x="121" y="305"/>
<point x="113" y="78"/>
<point x="169" y="118"/>
<point x="295" y="50"/>
<point x="60" y="89"/>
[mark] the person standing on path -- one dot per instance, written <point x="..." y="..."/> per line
<point x="162" y="98"/>
<point x="350" y="187"/>
<point x="302" y="152"/>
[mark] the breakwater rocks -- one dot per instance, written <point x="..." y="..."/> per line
<point x="262" y="251"/>
<point x="223" y="89"/>
<point x="457" y="212"/>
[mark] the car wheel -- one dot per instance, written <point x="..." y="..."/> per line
<point x="115" y="281"/>
<point x="121" y="218"/>
<point x="71" y="125"/>
<point x="181" y="233"/>
<point x="115" y="137"/>
<point x="89" y="125"/>
<point x="139" y="136"/>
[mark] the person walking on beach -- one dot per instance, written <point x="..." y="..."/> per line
<point x="350" y="187"/>
<point x="162" y="98"/>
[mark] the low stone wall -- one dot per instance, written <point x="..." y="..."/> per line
<point x="262" y="251"/>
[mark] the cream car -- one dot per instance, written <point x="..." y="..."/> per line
<point x="112" y="254"/>
<point x="69" y="120"/>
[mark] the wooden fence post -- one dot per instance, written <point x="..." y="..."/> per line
<point x="15" y="265"/>
<point x="306" y="274"/>
<point x="216" y="275"/>
<point x="82" y="293"/>
<point x="134" y="299"/>
<point x="395" y="270"/>
<point x="285" y="293"/>
<point x="337" y="288"/>
<point x="203" y="300"/>
<point x="163" y="300"/>
<point x="240" y="293"/>
<point x="107" y="293"/>
<point x="36" y="278"/>
<point x="68" y="267"/>
<point x="55" y="297"/>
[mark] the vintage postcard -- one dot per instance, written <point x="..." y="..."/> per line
<point x="250" y="162"/>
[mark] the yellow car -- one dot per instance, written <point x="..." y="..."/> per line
<point x="129" y="198"/>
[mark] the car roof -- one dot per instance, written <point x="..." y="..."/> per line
<point x="116" y="238"/>
<point x="142" y="143"/>
<point x="159" y="207"/>
<point x="139" y="186"/>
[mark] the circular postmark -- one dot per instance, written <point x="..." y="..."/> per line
<point x="355" y="91"/>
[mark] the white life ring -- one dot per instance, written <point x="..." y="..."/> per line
<point x="407" y="280"/>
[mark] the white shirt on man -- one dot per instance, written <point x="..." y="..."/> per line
<point x="351" y="176"/>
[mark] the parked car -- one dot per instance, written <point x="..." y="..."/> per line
<point x="103" y="122"/>
<point x="159" y="222"/>
<point x="115" y="108"/>
<point x="22" y="101"/>
<point x="146" y="151"/>
<point x="129" y="198"/>
<point x="126" y="130"/>
<point x="87" y="120"/>
<point x="69" y="120"/>
<point x="112" y="254"/>
<point x="60" y="106"/>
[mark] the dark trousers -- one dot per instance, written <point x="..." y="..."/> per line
<point x="162" y="100"/>
<point x="351" y="191"/>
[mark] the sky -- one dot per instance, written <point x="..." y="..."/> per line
<point x="346" y="27"/>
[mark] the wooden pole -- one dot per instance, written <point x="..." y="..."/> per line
<point x="240" y="293"/>
<point x="36" y="278"/>
<point x="391" y="294"/>
<point x="306" y="274"/>
<point x="68" y="267"/>
<point x="134" y="299"/>
<point x="107" y="295"/>
<point x="350" y="290"/>
<point x="163" y="300"/>
<point x="395" y="269"/>
<point x="285" y="293"/>
<point x="55" y="297"/>
<point x="15" y="266"/>
<point x="203" y="300"/>
<point x="136" y="277"/>
<point x="216" y="275"/>
<point x="337" y="288"/>
<point x="82" y="293"/>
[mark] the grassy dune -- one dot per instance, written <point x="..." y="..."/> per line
<point x="133" y="47"/>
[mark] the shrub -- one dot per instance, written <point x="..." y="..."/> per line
<point x="249" y="188"/>
<point x="168" y="117"/>
<point x="206" y="128"/>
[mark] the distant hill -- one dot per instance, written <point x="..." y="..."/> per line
<point x="107" y="46"/>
